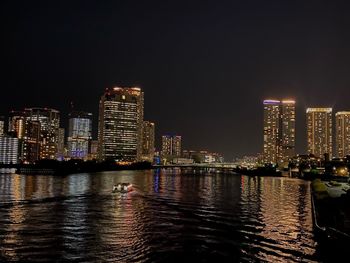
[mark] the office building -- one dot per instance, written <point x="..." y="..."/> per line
<point x="120" y="124"/>
<point x="30" y="143"/>
<point x="8" y="150"/>
<point x="49" y="130"/>
<point x="171" y="146"/>
<point x="319" y="131"/>
<point x="79" y="134"/>
<point x="342" y="122"/>
<point x="147" y="150"/>
<point x="279" y="130"/>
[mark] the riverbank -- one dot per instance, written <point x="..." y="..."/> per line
<point x="52" y="167"/>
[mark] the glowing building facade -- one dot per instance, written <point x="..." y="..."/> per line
<point x="120" y="124"/>
<point x="93" y="150"/>
<point x="171" y="146"/>
<point x="148" y="137"/>
<point x="287" y="120"/>
<point x="319" y="131"/>
<point x="30" y="150"/>
<point x="279" y="130"/>
<point x="271" y="130"/>
<point x="79" y="134"/>
<point x="342" y="122"/>
<point x="2" y="125"/>
<point x="8" y="150"/>
<point x="16" y="123"/>
<point x="49" y="120"/>
<point x="28" y="132"/>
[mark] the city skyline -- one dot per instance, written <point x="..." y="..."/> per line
<point x="199" y="63"/>
<point x="19" y="125"/>
<point x="170" y="131"/>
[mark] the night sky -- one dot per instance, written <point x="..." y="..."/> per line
<point x="205" y="66"/>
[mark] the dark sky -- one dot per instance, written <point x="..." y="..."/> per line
<point x="205" y="66"/>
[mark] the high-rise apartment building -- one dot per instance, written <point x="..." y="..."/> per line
<point x="319" y="131"/>
<point x="2" y="125"/>
<point x="79" y="134"/>
<point x="171" y="146"/>
<point x="287" y="120"/>
<point x="49" y="130"/>
<point x="147" y="150"/>
<point x="120" y="124"/>
<point x="271" y="130"/>
<point x="342" y="122"/>
<point x="279" y="130"/>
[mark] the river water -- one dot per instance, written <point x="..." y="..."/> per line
<point x="171" y="216"/>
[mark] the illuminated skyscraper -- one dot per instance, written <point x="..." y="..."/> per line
<point x="120" y="124"/>
<point x="319" y="131"/>
<point x="2" y="125"/>
<point x="279" y="130"/>
<point x="49" y="128"/>
<point x="171" y="146"/>
<point x="79" y="135"/>
<point x="342" y="122"/>
<point x="147" y="141"/>
<point x="271" y="130"/>
<point x="287" y="120"/>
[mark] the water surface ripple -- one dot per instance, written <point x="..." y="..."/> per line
<point x="171" y="216"/>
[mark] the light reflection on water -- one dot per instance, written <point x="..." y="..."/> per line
<point x="170" y="216"/>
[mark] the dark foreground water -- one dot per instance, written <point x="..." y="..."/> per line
<point x="169" y="217"/>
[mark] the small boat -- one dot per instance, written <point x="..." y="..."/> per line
<point x="122" y="188"/>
